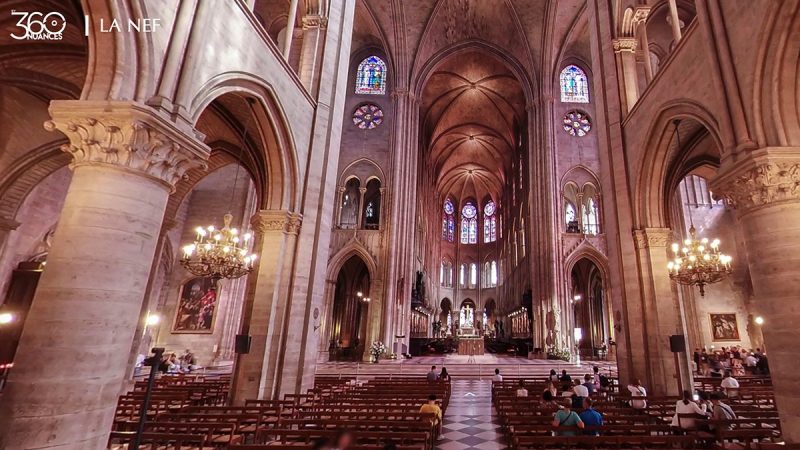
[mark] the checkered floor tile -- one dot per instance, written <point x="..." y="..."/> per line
<point x="470" y="421"/>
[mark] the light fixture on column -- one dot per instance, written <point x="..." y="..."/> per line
<point x="697" y="261"/>
<point x="222" y="252"/>
<point x="6" y="318"/>
<point x="759" y="320"/>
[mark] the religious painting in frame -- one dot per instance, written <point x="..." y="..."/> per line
<point x="197" y="305"/>
<point x="724" y="327"/>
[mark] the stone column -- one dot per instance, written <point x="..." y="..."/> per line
<point x="73" y="354"/>
<point x="764" y="187"/>
<point x="625" y="49"/>
<point x="640" y="24"/>
<point x="675" y="21"/>
<point x="661" y="311"/>
<point x="361" y="194"/>
<point x="314" y="26"/>
<point x="265" y="304"/>
<point x="289" y="36"/>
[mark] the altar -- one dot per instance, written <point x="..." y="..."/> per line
<point x="471" y="346"/>
<point x="470" y="342"/>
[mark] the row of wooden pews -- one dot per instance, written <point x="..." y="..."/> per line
<point x="527" y="420"/>
<point x="374" y="413"/>
<point x="192" y="413"/>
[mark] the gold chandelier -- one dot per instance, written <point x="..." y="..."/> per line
<point x="698" y="262"/>
<point x="219" y="253"/>
<point x="222" y="253"/>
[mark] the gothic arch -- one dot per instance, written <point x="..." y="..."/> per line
<point x="420" y="76"/>
<point x="650" y="196"/>
<point x="354" y="248"/>
<point x="29" y="171"/>
<point x="363" y="168"/>
<point x="277" y="167"/>
<point x="587" y="251"/>
<point x="776" y="91"/>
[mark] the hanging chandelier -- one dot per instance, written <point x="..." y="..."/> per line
<point x="698" y="262"/>
<point x="221" y="253"/>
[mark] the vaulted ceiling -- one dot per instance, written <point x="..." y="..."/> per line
<point x="476" y="66"/>
<point x="472" y="107"/>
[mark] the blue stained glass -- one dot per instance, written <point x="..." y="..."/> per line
<point x="574" y="85"/>
<point x="371" y="76"/>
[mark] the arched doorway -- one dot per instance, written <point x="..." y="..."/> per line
<point x="350" y="304"/>
<point x="589" y="308"/>
<point x="446" y="318"/>
<point x="490" y="318"/>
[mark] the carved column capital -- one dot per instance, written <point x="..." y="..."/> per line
<point x="314" y="21"/>
<point x="767" y="176"/>
<point x="128" y="136"/>
<point x="625" y="44"/>
<point x="282" y="221"/>
<point x="652" y="238"/>
<point x="640" y="14"/>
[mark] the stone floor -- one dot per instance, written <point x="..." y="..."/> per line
<point x="470" y="421"/>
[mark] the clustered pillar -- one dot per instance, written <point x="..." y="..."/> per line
<point x="764" y="188"/>
<point x="73" y="355"/>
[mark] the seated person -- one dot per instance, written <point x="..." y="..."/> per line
<point x="566" y="380"/>
<point x="637" y="390"/>
<point x="521" y="391"/>
<point x="432" y="407"/>
<point x="590" y="417"/>
<point x="687" y="406"/>
<point x="730" y="385"/>
<point x="566" y="417"/>
<point x="721" y="411"/>
<point x="587" y="387"/>
<point x="551" y="388"/>
<point x="497" y="376"/>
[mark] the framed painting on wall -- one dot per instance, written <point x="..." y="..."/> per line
<point x="724" y="327"/>
<point x="197" y="306"/>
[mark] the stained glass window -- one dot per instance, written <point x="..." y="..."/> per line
<point x="448" y="222"/>
<point x="590" y="223"/>
<point x="489" y="222"/>
<point x="473" y="275"/>
<point x="574" y="85"/>
<point x="367" y="116"/>
<point x="577" y="123"/>
<point x="371" y="76"/>
<point x="469" y="224"/>
<point x="493" y="274"/>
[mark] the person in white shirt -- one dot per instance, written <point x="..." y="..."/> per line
<point x="750" y="362"/>
<point x="521" y="391"/>
<point x="497" y="376"/>
<point x="637" y="390"/>
<point x="730" y="385"/>
<point x="686" y="406"/>
<point x="580" y="390"/>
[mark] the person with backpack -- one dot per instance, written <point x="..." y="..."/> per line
<point x="566" y="417"/>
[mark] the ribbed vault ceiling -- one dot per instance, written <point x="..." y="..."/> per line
<point x="472" y="108"/>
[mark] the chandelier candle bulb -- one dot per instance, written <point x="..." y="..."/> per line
<point x="223" y="256"/>
<point x="705" y="265"/>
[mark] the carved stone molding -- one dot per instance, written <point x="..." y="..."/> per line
<point x="624" y="44"/>
<point x="314" y="21"/>
<point x="640" y="14"/>
<point x="761" y="184"/>
<point x="129" y="136"/>
<point x="652" y="238"/>
<point x="266" y="221"/>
